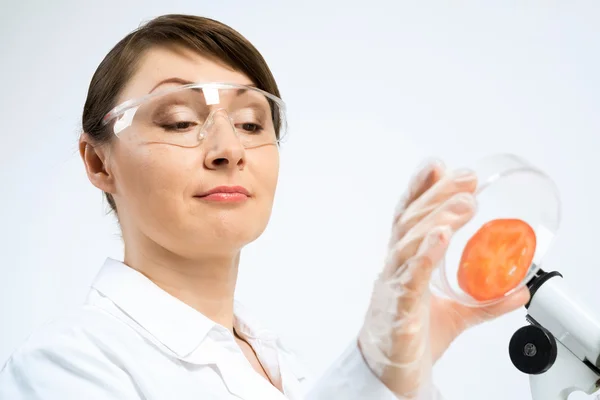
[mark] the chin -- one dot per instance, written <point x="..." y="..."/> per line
<point x="225" y="234"/>
<point x="225" y="247"/>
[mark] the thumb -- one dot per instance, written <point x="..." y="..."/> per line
<point x="509" y="304"/>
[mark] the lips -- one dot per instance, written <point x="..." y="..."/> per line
<point x="225" y="194"/>
<point x="226" y="190"/>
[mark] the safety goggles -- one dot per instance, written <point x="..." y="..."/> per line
<point x="187" y="114"/>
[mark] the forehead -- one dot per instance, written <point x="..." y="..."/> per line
<point x="160" y="63"/>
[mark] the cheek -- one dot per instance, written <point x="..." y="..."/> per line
<point x="266" y="170"/>
<point x="150" y="175"/>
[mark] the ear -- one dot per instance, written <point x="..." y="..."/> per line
<point x="95" y="159"/>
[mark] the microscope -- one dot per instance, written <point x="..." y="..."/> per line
<point x="560" y="348"/>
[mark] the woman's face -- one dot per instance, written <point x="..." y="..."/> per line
<point x="157" y="187"/>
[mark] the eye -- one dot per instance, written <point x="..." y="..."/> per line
<point x="250" y="127"/>
<point x="179" y="126"/>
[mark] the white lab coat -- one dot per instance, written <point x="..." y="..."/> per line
<point x="131" y="340"/>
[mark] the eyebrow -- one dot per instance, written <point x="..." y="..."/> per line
<point x="182" y="81"/>
<point x="171" y="80"/>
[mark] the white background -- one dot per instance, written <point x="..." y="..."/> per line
<point x="372" y="88"/>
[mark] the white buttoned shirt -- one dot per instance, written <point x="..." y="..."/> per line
<point x="132" y="340"/>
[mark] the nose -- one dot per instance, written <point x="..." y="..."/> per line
<point x="224" y="150"/>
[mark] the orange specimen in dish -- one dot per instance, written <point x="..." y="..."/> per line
<point x="496" y="258"/>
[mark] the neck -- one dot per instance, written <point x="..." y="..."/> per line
<point x="205" y="283"/>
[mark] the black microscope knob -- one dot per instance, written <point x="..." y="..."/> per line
<point x="532" y="350"/>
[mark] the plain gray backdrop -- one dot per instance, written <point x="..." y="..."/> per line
<point x="372" y="89"/>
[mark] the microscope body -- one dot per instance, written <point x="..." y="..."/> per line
<point x="560" y="349"/>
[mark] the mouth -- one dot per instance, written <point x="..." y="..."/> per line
<point x="225" y="194"/>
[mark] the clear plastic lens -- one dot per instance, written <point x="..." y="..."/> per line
<point x="185" y="117"/>
<point x="508" y="188"/>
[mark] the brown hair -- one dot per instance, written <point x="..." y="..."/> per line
<point x="208" y="37"/>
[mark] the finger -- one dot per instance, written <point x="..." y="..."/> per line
<point x="463" y="180"/>
<point x="451" y="184"/>
<point x="419" y="184"/>
<point x="410" y="281"/>
<point x="510" y="303"/>
<point x="430" y="253"/>
<point x="454" y="213"/>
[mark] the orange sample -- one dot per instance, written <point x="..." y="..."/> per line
<point x="496" y="259"/>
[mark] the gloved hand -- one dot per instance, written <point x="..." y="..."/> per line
<point x="407" y="328"/>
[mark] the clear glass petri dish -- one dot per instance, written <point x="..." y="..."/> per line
<point x="509" y="187"/>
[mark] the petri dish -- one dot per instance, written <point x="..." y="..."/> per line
<point x="509" y="187"/>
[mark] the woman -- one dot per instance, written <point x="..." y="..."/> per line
<point x="181" y="130"/>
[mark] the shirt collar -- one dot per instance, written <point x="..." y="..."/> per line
<point x="248" y="327"/>
<point x="172" y="322"/>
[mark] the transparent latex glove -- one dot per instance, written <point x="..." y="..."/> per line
<point x="407" y="328"/>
